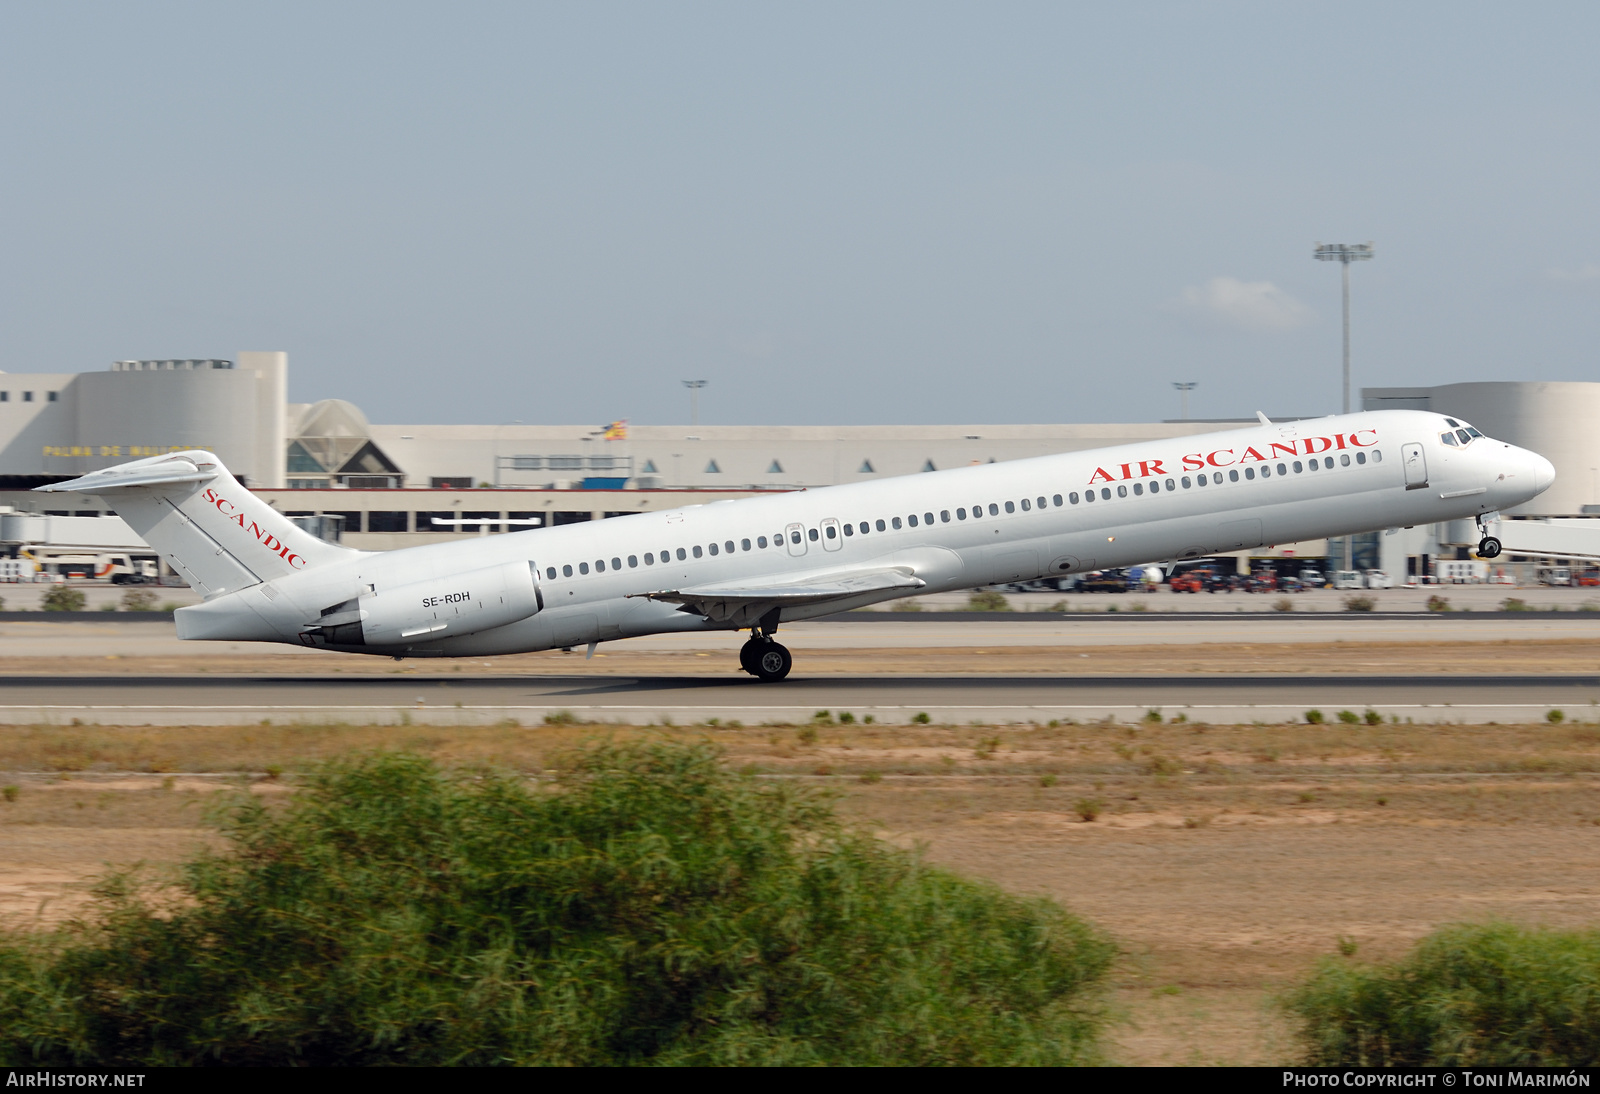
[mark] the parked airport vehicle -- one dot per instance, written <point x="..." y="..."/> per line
<point x="1347" y="579"/>
<point x="1312" y="579"/>
<point x="1378" y="579"/>
<point x="1103" y="581"/>
<point x="756" y="563"/>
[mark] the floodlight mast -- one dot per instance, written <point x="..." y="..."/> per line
<point x="694" y="387"/>
<point x="1344" y="254"/>
<point x="1185" y="387"/>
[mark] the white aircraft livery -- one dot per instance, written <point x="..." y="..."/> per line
<point x="755" y="563"/>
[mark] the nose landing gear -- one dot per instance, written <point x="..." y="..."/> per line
<point x="1488" y="547"/>
<point x="765" y="659"/>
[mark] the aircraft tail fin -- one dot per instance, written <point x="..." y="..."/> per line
<point x="203" y="523"/>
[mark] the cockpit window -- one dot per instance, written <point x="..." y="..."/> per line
<point x="1463" y="436"/>
<point x="1449" y="439"/>
<point x="1474" y="432"/>
<point x="1451" y="422"/>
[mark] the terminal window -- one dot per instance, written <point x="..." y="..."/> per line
<point x="27" y="396"/>
<point x="388" y="522"/>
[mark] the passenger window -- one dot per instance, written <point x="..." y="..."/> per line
<point x="1088" y="495"/>
<point x="550" y="573"/>
<point x="927" y="518"/>
<point x="761" y="542"/>
<point x="794" y="537"/>
<point x="744" y="545"/>
<point x="1122" y="491"/>
<point x="1026" y="505"/>
<point x="1249" y="472"/>
<point x="833" y="533"/>
<point x="1057" y="499"/>
<point x="566" y="571"/>
<point x="1073" y="497"/>
<point x="1344" y="459"/>
<point x="697" y="552"/>
<point x="599" y="565"/>
<point x="1217" y="477"/>
<point x="1010" y="507"/>
<point x="811" y="534"/>
<point x="864" y="527"/>
<point x="1138" y="488"/>
<point x="1185" y="482"/>
<point x="1040" y="503"/>
<point x="713" y="551"/>
<point x="728" y="546"/>
<point x="1297" y="467"/>
<point x="1377" y="456"/>
<point x="1266" y="471"/>
<point x="944" y="516"/>
<point x="649" y="559"/>
<point x="1312" y="465"/>
<point x="1199" y="480"/>
<point x="994" y="510"/>
<point x="583" y="567"/>
<point x="1361" y="457"/>
<point x="633" y="562"/>
<point x="1171" y="485"/>
<point x="1155" y="486"/>
<point x="1327" y="462"/>
<point x="682" y="555"/>
<point x="1105" y="493"/>
<point x="912" y="519"/>
<point x="961" y="514"/>
<point x="880" y="525"/>
<point x="895" y="521"/>
<point x="849" y="529"/>
<point x="616" y="564"/>
<point x="1233" y="476"/>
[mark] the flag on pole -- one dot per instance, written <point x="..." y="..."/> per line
<point x="617" y="430"/>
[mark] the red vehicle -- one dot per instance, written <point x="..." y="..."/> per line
<point x="1191" y="581"/>
<point x="1262" y="581"/>
<point x="1590" y="577"/>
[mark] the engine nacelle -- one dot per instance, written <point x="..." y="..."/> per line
<point x="425" y="611"/>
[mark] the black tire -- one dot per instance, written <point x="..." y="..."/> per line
<point x="1489" y="547"/>
<point x="771" y="662"/>
<point x="747" y="656"/>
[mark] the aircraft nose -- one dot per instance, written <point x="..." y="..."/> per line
<point x="1544" y="473"/>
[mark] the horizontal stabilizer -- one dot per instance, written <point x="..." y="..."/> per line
<point x="156" y="471"/>
<point x="744" y="605"/>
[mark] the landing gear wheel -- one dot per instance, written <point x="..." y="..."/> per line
<point x="1488" y="547"/>
<point x="747" y="655"/>
<point x="769" y="662"/>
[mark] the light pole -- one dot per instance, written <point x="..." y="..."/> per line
<point x="1344" y="254"/>
<point x="1185" y="388"/>
<point x="694" y="387"/>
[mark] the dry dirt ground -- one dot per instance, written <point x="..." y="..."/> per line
<point x="1456" y="658"/>
<point x="1226" y="859"/>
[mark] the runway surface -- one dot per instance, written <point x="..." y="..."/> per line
<point x="991" y="699"/>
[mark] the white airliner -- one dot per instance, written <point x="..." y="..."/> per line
<point x="759" y="562"/>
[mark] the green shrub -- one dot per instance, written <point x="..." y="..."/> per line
<point x="651" y="907"/>
<point x="1360" y="603"/>
<point x="139" y="600"/>
<point x="1314" y="717"/>
<point x="921" y="718"/>
<point x="1349" y="717"/>
<point x="1514" y="604"/>
<point x="63" y="598"/>
<point x="1438" y="603"/>
<point x="1088" y="808"/>
<point x="988" y="601"/>
<point x="1372" y="717"/>
<point x="1555" y="717"/>
<point x="1466" y="996"/>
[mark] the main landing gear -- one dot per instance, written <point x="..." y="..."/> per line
<point x="765" y="659"/>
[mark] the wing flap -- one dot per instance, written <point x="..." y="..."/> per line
<point x="744" y="605"/>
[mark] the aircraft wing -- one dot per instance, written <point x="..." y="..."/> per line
<point x="745" y="605"/>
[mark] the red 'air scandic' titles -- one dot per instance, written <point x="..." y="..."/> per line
<point x="1283" y="449"/>
<point x="1100" y="476"/>
<point x="1194" y="462"/>
<point x="261" y="536"/>
<point x="1150" y="467"/>
<point x="1252" y="454"/>
<point x="1212" y="457"/>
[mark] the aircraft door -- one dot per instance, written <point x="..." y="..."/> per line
<point x="795" y="537"/>
<point x="1416" y="465"/>
<point x="832" y="539"/>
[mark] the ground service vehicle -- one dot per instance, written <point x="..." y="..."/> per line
<point x="1347" y="579"/>
<point x="756" y="563"/>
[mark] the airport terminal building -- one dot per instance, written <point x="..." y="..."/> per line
<point x="393" y="485"/>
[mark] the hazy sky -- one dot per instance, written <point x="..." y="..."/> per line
<point x="855" y="213"/>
